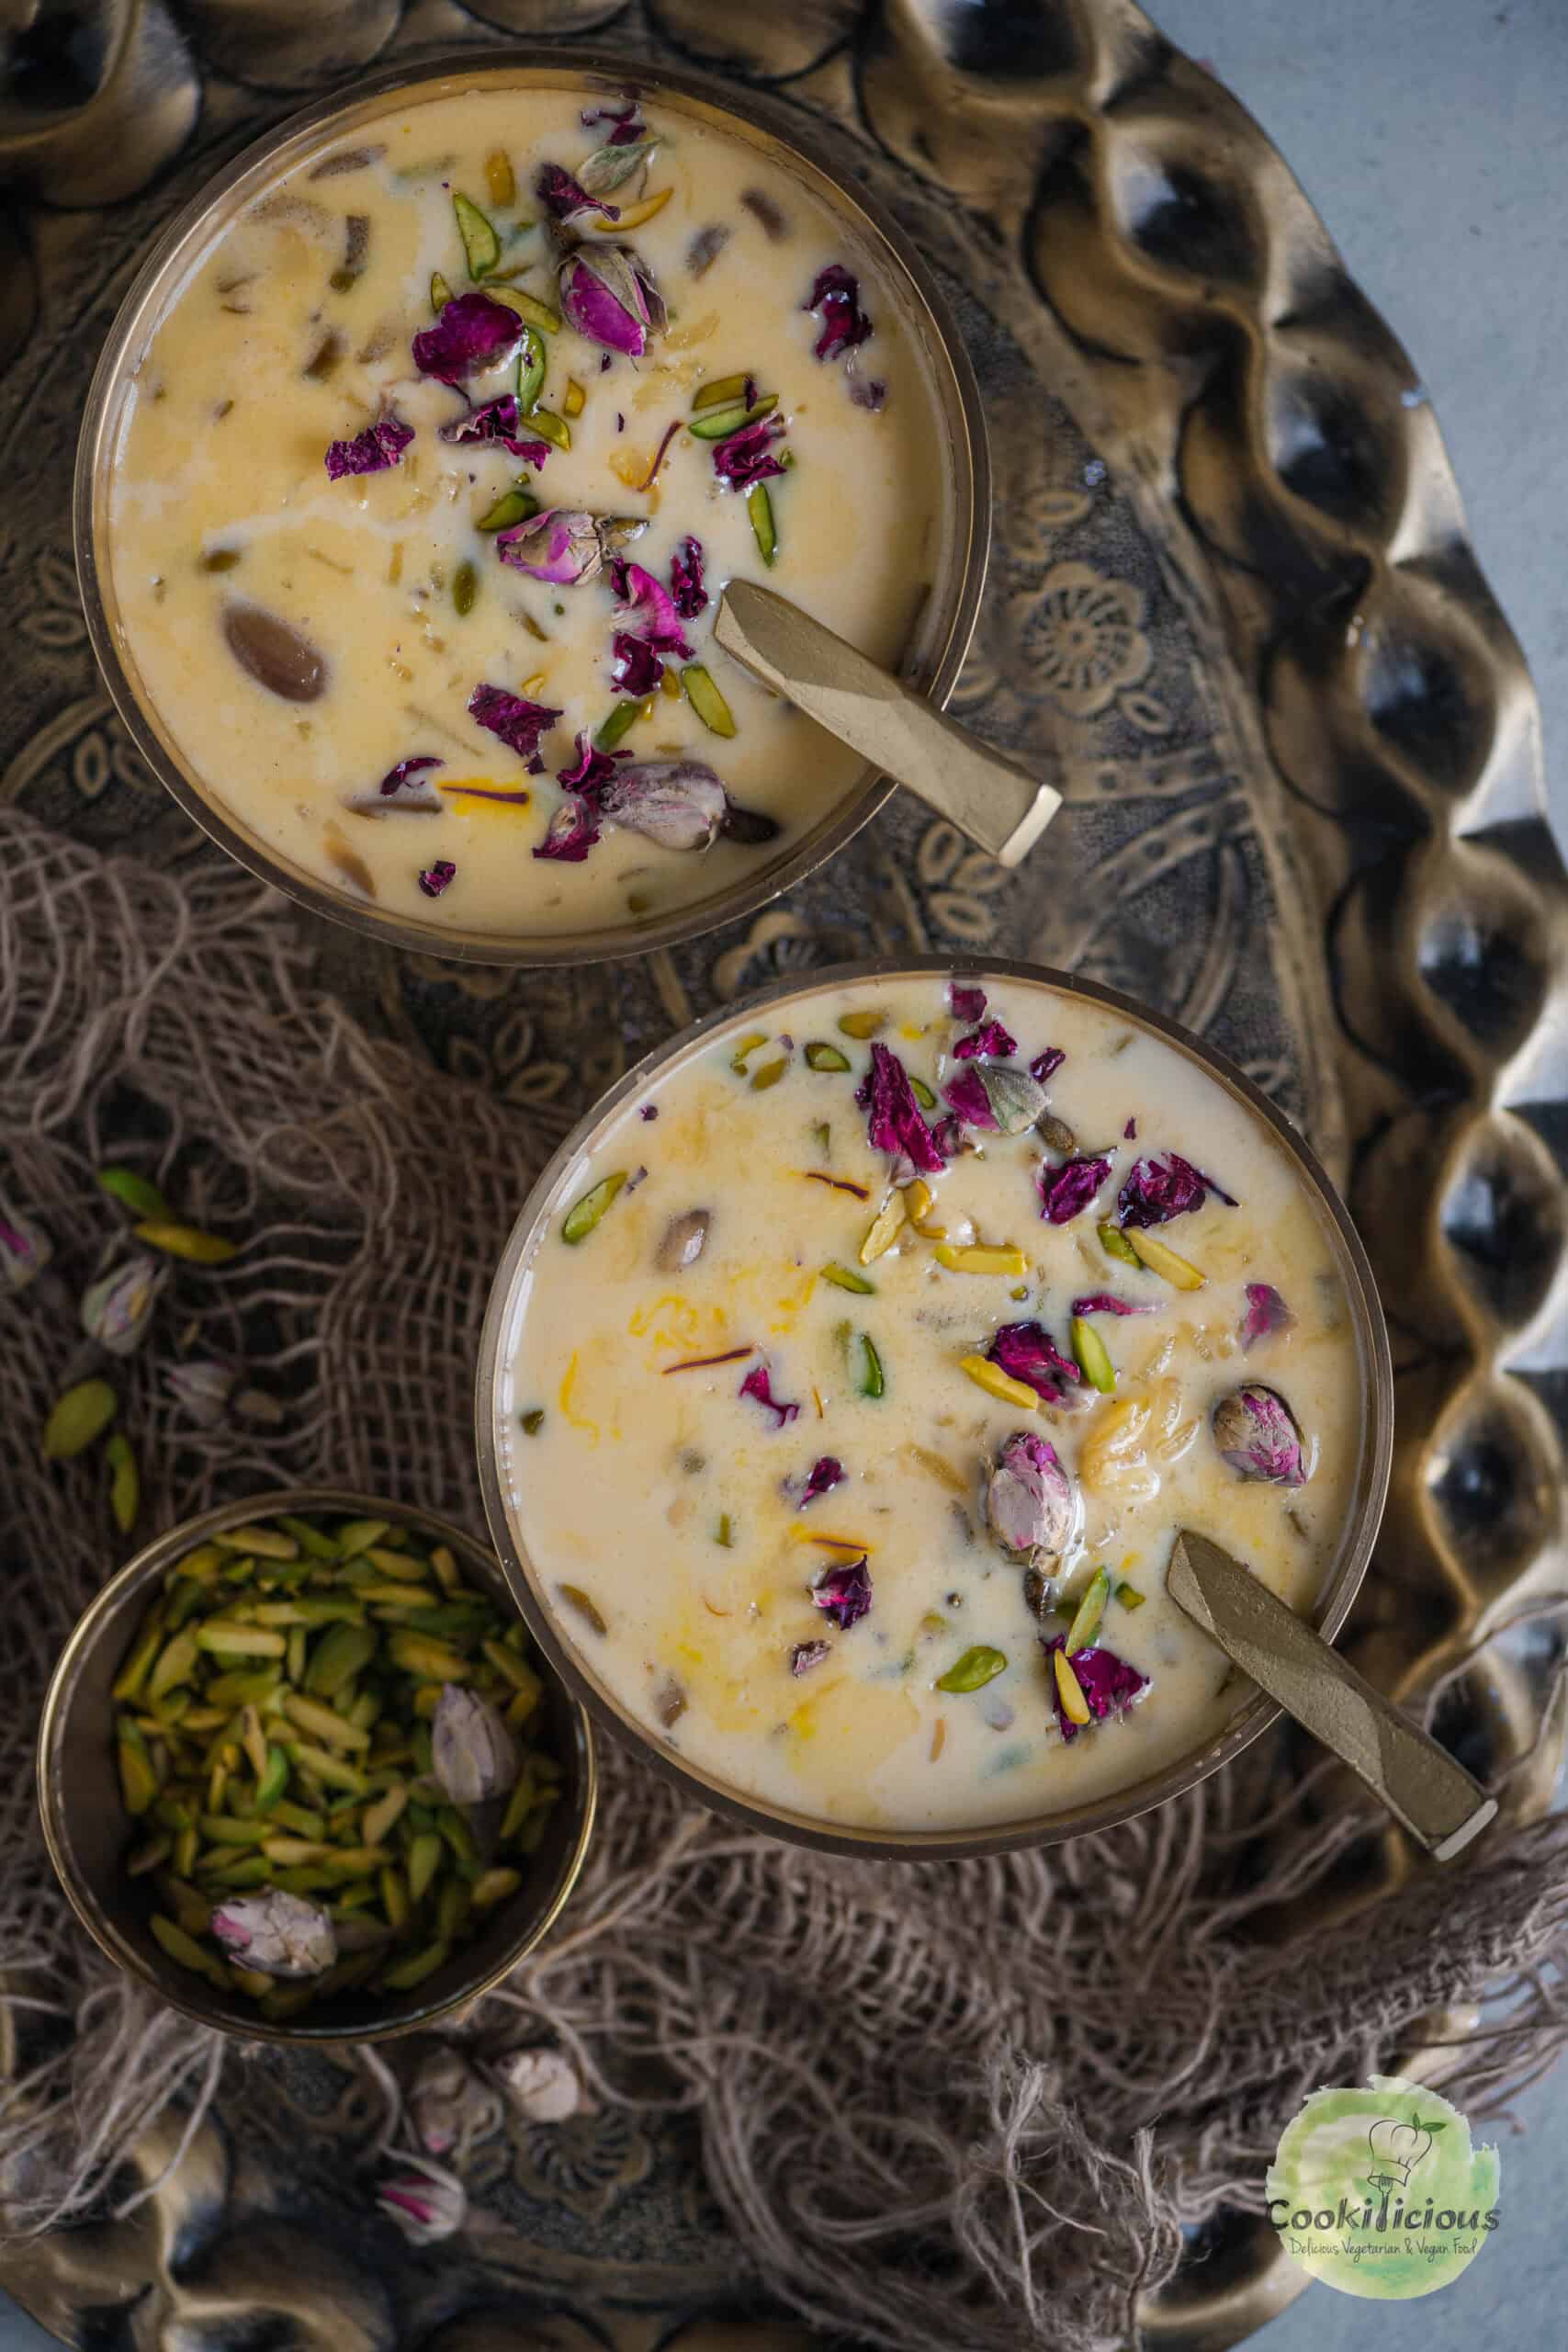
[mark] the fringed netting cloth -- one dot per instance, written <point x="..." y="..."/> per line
<point x="976" y="2104"/>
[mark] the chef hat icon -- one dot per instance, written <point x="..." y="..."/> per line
<point x="1397" y="2148"/>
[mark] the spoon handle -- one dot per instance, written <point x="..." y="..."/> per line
<point x="1434" y="1798"/>
<point x="987" y="798"/>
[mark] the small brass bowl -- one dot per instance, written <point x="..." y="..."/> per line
<point x="940" y="639"/>
<point x="502" y="1468"/>
<point x="87" y="1829"/>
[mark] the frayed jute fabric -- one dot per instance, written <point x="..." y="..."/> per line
<point x="975" y="2104"/>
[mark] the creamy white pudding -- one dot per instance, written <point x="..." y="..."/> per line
<point x="866" y="1367"/>
<point x="434" y="468"/>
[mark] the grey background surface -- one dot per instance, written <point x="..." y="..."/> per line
<point x="1433" y="136"/>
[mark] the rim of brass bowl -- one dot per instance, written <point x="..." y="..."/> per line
<point x="944" y="628"/>
<point x="924" y="1845"/>
<point x="86" y="1828"/>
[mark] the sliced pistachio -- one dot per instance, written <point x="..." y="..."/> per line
<point x="1093" y="1356"/>
<point x="500" y="180"/>
<point x="481" y="246"/>
<point x="980" y="1261"/>
<point x="1115" y="1244"/>
<point x="575" y="398"/>
<point x="576" y="1599"/>
<point x="723" y="393"/>
<point x="533" y="1420"/>
<point x="125" y="1482"/>
<point x="706" y="700"/>
<point x="1161" y="1260"/>
<point x="1000" y="1384"/>
<point x="769" y="1073"/>
<point x="1129" y="1595"/>
<point x="186" y="1241"/>
<point x="465" y="589"/>
<point x="871" y="1380"/>
<point x="1075" y="1706"/>
<point x="883" y="1230"/>
<point x="619" y="723"/>
<point x="760" y="507"/>
<point x="862" y="1025"/>
<point x="531" y="363"/>
<point x="845" y="1278"/>
<point x="550" y="427"/>
<point x="820" y="1056"/>
<point x="134" y="1191"/>
<point x="921" y="1092"/>
<point x="1089" y="1612"/>
<point x="717" y="425"/>
<point x="585" y="1213"/>
<point x="440" y="292"/>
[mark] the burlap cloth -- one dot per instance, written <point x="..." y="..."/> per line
<point x="969" y="2105"/>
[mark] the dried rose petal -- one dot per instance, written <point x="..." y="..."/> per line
<point x="277" y="1934"/>
<point x="473" y="333"/>
<point x="894" y="1123"/>
<point x="843" y="1593"/>
<point x="589" y="769"/>
<point x="1029" y="1496"/>
<point x="758" y="1383"/>
<point x="1101" y="1301"/>
<point x="1266" y="1312"/>
<point x="805" y="1654"/>
<point x="629" y="124"/>
<point x="565" y="199"/>
<point x="1026" y="1351"/>
<point x="1109" y="1684"/>
<point x="1130" y="1131"/>
<point x="1066" y="1190"/>
<point x="744" y="458"/>
<point x="371" y="452"/>
<point x="433" y="879"/>
<point x="519" y="722"/>
<point x="948" y="1137"/>
<point x="571" y="832"/>
<point x="680" y="803"/>
<point x="500" y="421"/>
<point x="866" y="392"/>
<point x="402" y="788"/>
<point x="1256" y="1434"/>
<point x="635" y="668"/>
<point x="836" y="297"/>
<point x="611" y="296"/>
<point x="990" y="1039"/>
<point x="966" y="1001"/>
<point x="687" y="590"/>
<point x="825" y="1474"/>
<point x="566" y="545"/>
<point x="1043" y="1067"/>
<point x="650" y="600"/>
<point x="1157" y="1190"/>
<point x="472" y="1753"/>
<point x="427" y="2202"/>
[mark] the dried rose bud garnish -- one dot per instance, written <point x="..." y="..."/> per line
<point x="499" y="420"/>
<point x="571" y="832"/>
<point x="1266" y="1312"/>
<point x="1157" y="1190"/>
<point x="519" y="722"/>
<point x="473" y="333"/>
<point x="612" y="297"/>
<point x="1026" y="1351"/>
<point x="844" y="1593"/>
<point x="566" y="545"/>
<point x="565" y="199"/>
<point x="894" y="1123"/>
<point x="996" y="1097"/>
<point x="825" y="1474"/>
<point x="1256" y="1433"/>
<point x="371" y="452"/>
<point x="1066" y="1191"/>
<point x="1029" y="1496"/>
<point x="687" y="591"/>
<point x="1109" y="1684"/>
<point x="680" y="803"/>
<point x="758" y="1385"/>
<point x="836" y="299"/>
<point x="805" y="1654"/>
<point x="991" y="1039"/>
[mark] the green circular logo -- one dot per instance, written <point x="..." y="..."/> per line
<point x="1379" y="2193"/>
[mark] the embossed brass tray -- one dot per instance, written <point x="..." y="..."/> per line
<point x="1229" y="558"/>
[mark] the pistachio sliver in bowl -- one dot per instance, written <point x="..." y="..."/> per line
<point x="301" y="1769"/>
<point x="404" y="509"/>
<point x="855" y="1514"/>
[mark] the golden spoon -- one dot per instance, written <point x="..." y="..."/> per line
<point x="1431" y="1795"/>
<point x="995" y="803"/>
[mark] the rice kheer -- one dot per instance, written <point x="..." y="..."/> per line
<point x="434" y="468"/>
<point x="865" y="1369"/>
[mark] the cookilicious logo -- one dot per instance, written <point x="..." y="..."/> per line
<point x="1379" y="2193"/>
